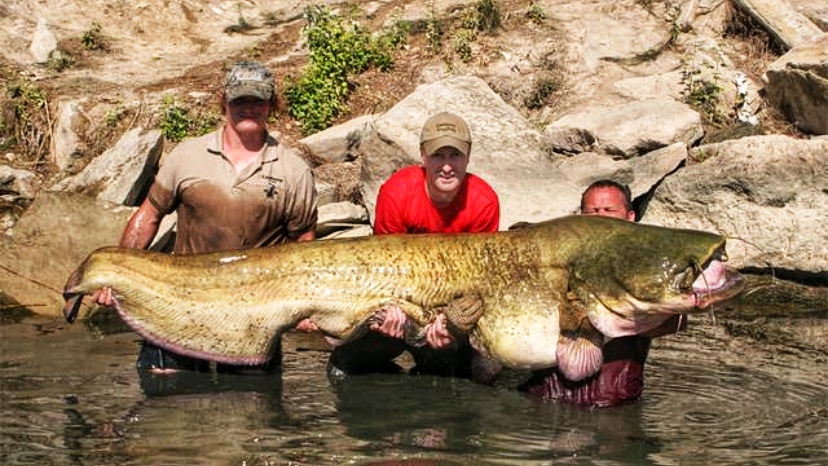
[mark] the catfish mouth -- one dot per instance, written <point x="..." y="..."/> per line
<point x="717" y="282"/>
<point x="695" y="288"/>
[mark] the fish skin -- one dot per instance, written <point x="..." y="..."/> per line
<point x="535" y="293"/>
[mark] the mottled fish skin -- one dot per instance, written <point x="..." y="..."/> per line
<point x="530" y="285"/>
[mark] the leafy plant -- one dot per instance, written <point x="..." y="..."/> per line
<point x="24" y="114"/>
<point x="541" y="92"/>
<point x="59" y="60"/>
<point x="434" y="33"/>
<point x="395" y="36"/>
<point x="204" y="123"/>
<point x="462" y="40"/>
<point x="93" y="39"/>
<point x="704" y="95"/>
<point x="113" y="116"/>
<point x="177" y="122"/>
<point x="535" y="13"/>
<point x="488" y="15"/>
<point x="339" y="47"/>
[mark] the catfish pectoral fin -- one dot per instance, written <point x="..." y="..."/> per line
<point x="579" y="357"/>
<point x="462" y="313"/>
<point x="72" y="306"/>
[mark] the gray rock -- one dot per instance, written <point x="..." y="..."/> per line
<point x="337" y="143"/>
<point x="18" y="189"/>
<point x="122" y="174"/>
<point x="797" y="84"/>
<point x="50" y="240"/>
<point x="641" y="174"/>
<point x="43" y="42"/>
<point x="340" y="216"/>
<point x="70" y="122"/>
<point x="636" y="128"/>
<point x="767" y="194"/>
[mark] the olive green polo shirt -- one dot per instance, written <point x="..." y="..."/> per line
<point x="272" y="201"/>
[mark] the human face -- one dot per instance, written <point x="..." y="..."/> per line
<point x="606" y="202"/>
<point x="248" y="114"/>
<point x="445" y="171"/>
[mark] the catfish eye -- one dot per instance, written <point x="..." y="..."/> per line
<point x="684" y="280"/>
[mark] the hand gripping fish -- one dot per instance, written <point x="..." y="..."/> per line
<point x="546" y="295"/>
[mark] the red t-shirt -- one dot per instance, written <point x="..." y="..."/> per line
<point x="403" y="206"/>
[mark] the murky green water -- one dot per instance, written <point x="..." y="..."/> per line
<point x="71" y="396"/>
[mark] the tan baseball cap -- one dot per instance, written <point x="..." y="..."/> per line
<point x="445" y="129"/>
<point x="249" y="79"/>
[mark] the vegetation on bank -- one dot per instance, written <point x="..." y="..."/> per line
<point x="339" y="47"/>
<point x="25" y="121"/>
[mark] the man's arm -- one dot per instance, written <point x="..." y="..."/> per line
<point x="138" y="234"/>
<point x="142" y="227"/>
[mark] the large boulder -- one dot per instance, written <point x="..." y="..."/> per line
<point x="50" y="240"/>
<point x="635" y="128"/>
<point x="797" y="84"/>
<point x="767" y="194"/>
<point x="122" y="174"/>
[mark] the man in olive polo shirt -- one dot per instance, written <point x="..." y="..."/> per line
<point x="235" y="188"/>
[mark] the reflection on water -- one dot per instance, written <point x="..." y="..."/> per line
<point x="71" y="396"/>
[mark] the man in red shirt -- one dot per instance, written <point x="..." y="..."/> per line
<point x="438" y="196"/>
<point x="621" y="378"/>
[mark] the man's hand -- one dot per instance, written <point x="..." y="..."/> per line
<point x="104" y="297"/>
<point x="437" y="336"/>
<point x="393" y="322"/>
<point x="307" y="325"/>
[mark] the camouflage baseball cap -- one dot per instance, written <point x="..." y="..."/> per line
<point x="445" y="129"/>
<point x="249" y="79"/>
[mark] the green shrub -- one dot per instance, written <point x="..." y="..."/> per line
<point x="177" y="121"/>
<point x="488" y="16"/>
<point x="27" y="98"/>
<point x="113" y="116"/>
<point x="434" y="33"/>
<point x="535" y="13"/>
<point x="338" y="48"/>
<point x="462" y="40"/>
<point x="541" y="92"/>
<point x="704" y="95"/>
<point x="24" y="119"/>
<point x="93" y="39"/>
<point x="59" y="60"/>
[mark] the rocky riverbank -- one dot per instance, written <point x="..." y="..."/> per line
<point x="715" y="120"/>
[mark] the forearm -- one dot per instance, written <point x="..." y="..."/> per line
<point x="142" y="227"/>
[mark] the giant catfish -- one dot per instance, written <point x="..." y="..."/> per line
<point x="545" y="295"/>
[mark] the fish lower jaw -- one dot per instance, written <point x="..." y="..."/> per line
<point x="728" y="288"/>
<point x="614" y="326"/>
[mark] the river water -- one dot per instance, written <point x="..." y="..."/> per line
<point x="71" y="396"/>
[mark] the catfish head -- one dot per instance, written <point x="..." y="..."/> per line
<point x="636" y="276"/>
